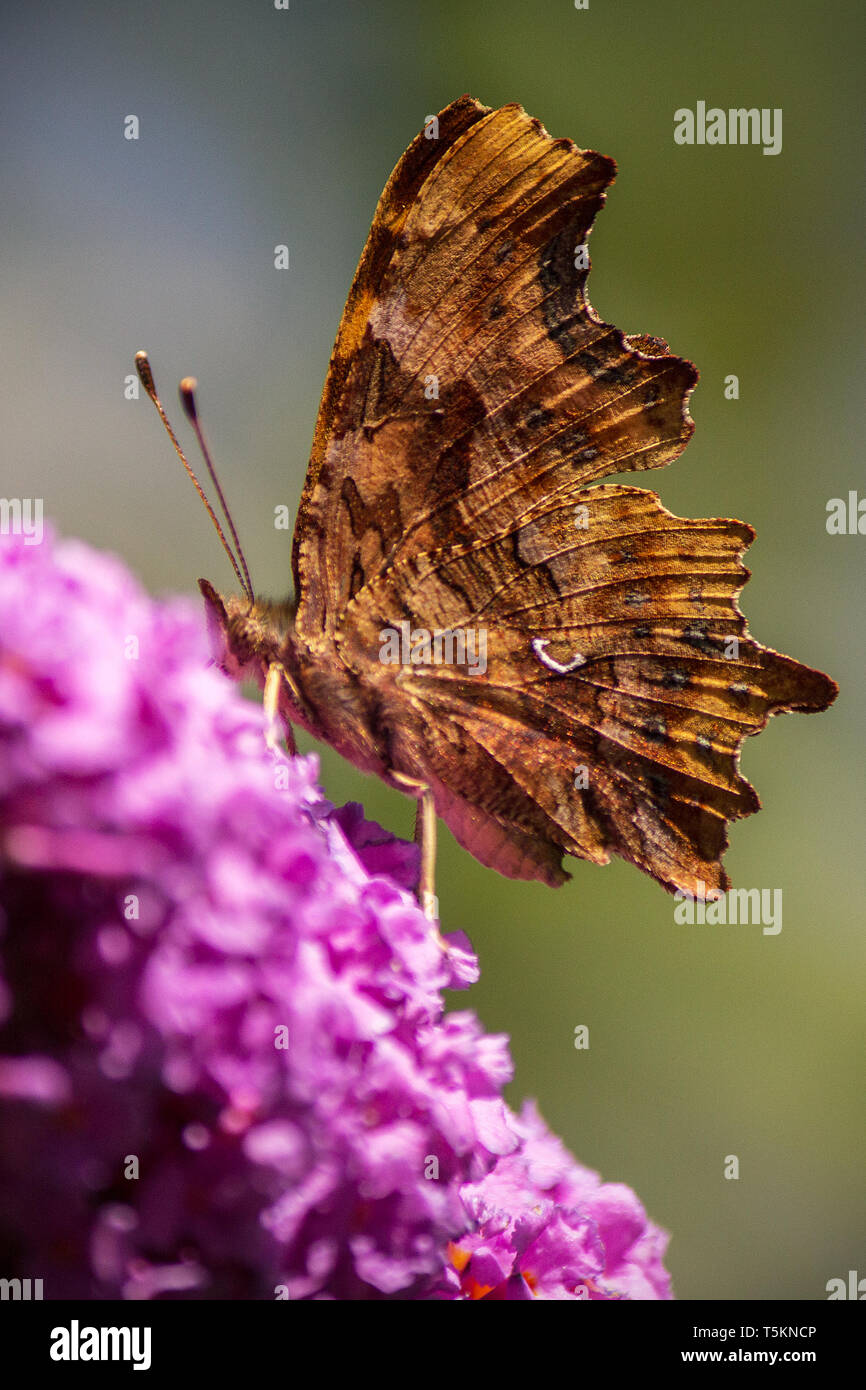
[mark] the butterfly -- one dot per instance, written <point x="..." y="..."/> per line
<point x="473" y="401"/>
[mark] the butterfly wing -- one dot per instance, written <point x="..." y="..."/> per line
<point x="325" y="547"/>
<point x="636" y="749"/>
<point x="470" y="376"/>
<point x="474" y="394"/>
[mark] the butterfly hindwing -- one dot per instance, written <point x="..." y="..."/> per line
<point x="636" y="750"/>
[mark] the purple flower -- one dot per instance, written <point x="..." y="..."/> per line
<point x="543" y="1226"/>
<point x="225" y="1069"/>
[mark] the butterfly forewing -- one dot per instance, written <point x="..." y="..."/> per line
<point x="470" y="377"/>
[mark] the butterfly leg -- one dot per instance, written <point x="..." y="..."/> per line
<point x="425" y="838"/>
<point x="273" y="732"/>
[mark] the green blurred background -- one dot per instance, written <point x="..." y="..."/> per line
<point x="261" y="126"/>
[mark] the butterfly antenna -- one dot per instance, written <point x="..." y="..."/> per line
<point x="187" y="397"/>
<point x="146" y="377"/>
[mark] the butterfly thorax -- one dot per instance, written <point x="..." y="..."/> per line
<point x="317" y="690"/>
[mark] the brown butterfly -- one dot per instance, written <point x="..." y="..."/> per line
<point x="473" y="396"/>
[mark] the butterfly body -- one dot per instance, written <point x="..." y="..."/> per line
<point x="316" y="691"/>
<point x="473" y="402"/>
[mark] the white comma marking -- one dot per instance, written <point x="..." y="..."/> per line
<point x="538" y="645"/>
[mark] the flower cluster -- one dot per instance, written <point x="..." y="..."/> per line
<point x="225" y="1066"/>
<point x="544" y="1227"/>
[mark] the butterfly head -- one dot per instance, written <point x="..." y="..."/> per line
<point x="246" y="636"/>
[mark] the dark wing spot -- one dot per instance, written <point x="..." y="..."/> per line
<point x="656" y="730"/>
<point x="675" y="679"/>
<point x="465" y="404"/>
<point x="357" y="580"/>
<point x="696" y="635"/>
<point x="660" y="788"/>
<point x="538" y="416"/>
<point x="612" y="374"/>
<point x="562" y="283"/>
<point x="571" y="438"/>
<point x="382" y="517"/>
